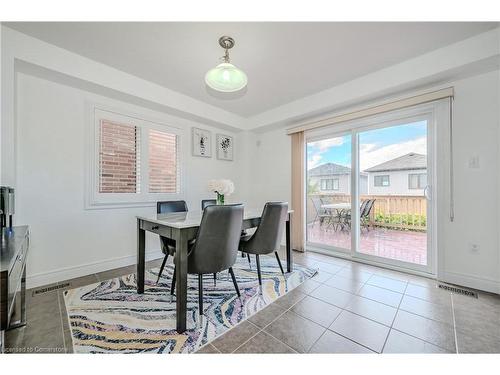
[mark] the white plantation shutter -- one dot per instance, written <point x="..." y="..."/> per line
<point x="162" y="162"/>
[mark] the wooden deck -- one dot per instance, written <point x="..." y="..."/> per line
<point x="404" y="245"/>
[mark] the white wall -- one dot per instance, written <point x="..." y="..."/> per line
<point x="67" y="240"/>
<point x="398" y="183"/>
<point x="269" y="156"/>
<point x="1" y="98"/>
<point x="476" y="133"/>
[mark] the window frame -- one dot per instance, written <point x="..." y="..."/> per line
<point x="333" y="184"/>
<point x="94" y="198"/>
<point x="419" y="180"/>
<point x="382" y="183"/>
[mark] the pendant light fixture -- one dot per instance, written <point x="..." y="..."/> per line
<point x="226" y="77"/>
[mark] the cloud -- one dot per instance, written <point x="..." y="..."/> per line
<point x="317" y="149"/>
<point x="325" y="144"/>
<point x="370" y="155"/>
<point x="314" y="161"/>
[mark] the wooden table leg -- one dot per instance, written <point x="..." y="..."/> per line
<point x="289" y="260"/>
<point x="181" y="278"/>
<point x="141" y="257"/>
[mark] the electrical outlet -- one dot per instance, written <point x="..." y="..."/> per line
<point x="474" y="247"/>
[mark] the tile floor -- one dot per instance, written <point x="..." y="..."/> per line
<point x="347" y="308"/>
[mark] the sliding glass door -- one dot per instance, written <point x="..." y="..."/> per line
<point x="368" y="191"/>
<point x="393" y="205"/>
<point x="329" y="192"/>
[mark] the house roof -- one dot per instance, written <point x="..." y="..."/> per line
<point x="409" y="161"/>
<point x="329" y="169"/>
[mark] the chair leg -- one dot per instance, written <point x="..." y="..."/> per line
<point x="279" y="262"/>
<point x="249" y="261"/>
<point x="314" y="221"/>
<point x="242" y="254"/>
<point x="215" y="278"/>
<point x="162" y="267"/>
<point x="200" y="293"/>
<point x="234" y="281"/>
<point x="258" y="268"/>
<point x="172" y="287"/>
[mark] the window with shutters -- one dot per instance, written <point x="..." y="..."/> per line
<point x="134" y="162"/>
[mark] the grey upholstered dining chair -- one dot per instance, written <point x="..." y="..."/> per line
<point x="207" y="202"/>
<point x="211" y="202"/>
<point x="267" y="237"/>
<point x="167" y="244"/>
<point x="216" y="245"/>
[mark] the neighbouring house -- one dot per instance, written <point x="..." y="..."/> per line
<point x="332" y="178"/>
<point x="404" y="175"/>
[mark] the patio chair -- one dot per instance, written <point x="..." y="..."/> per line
<point x="321" y="213"/>
<point x="365" y="214"/>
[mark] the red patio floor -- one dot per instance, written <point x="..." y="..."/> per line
<point x="406" y="246"/>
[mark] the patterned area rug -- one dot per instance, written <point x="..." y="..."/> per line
<point x="110" y="317"/>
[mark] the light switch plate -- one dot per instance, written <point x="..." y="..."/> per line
<point x="474" y="162"/>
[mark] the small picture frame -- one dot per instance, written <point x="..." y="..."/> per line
<point x="224" y="147"/>
<point x="202" y="142"/>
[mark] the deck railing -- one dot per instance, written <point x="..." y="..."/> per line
<point x="392" y="211"/>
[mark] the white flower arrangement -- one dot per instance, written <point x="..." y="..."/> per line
<point x="221" y="187"/>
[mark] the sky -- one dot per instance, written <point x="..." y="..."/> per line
<point x="375" y="146"/>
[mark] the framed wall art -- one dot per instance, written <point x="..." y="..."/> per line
<point x="202" y="143"/>
<point x="224" y="147"/>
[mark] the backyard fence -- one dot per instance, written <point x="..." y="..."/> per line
<point x="392" y="211"/>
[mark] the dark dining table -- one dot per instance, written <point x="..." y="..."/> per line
<point x="182" y="227"/>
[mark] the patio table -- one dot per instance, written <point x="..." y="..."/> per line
<point x="337" y="206"/>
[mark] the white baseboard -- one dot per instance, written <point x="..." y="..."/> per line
<point x="45" y="278"/>
<point x="487" y="285"/>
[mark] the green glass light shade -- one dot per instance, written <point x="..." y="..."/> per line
<point x="226" y="77"/>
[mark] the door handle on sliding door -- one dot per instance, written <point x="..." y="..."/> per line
<point x="427" y="193"/>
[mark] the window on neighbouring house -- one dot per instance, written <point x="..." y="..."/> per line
<point x="335" y="184"/>
<point x="417" y="180"/>
<point x="330" y="184"/>
<point x="136" y="161"/>
<point x="381" y="181"/>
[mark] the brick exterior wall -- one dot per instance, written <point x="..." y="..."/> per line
<point x="119" y="158"/>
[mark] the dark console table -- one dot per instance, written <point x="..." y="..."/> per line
<point x="13" y="252"/>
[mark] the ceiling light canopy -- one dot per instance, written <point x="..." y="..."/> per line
<point x="226" y="77"/>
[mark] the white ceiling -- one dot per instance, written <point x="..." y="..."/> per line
<point x="283" y="61"/>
